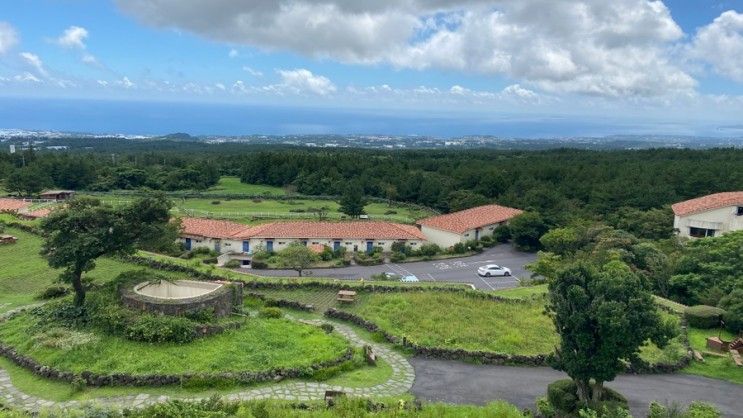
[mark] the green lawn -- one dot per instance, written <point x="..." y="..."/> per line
<point x="25" y="273"/>
<point x="716" y="365"/>
<point x="232" y="185"/>
<point x="260" y="344"/>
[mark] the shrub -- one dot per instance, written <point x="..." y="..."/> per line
<point x="429" y="250"/>
<point x="161" y="329"/>
<point x="202" y="315"/>
<point x="562" y="395"/>
<point x="696" y="409"/>
<point x="271" y="312"/>
<point x="232" y="264"/>
<point x="216" y="202"/>
<point x="703" y="316"/>
<point x="733" y="306"/>
<point x="502" y="233"/>
<point x="328" y="328"/>
<point x="390" y="212"/>
<point x="397" y="257"/>
<point x="486" y="238"/>
<point x="327" y="253"/>
<point x="259" y="264"/>
<point x="53" y="292"/>
<point x="210" y="260"/>
<point x="458" y="248"/>
<point x="400" y="247"/>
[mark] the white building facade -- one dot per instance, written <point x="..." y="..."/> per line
<point x="709" y="216"/>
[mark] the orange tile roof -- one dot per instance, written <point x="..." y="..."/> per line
<point x="12" y="205"/>
<point x="212" y="228"/>
<point x="340" y="230"/>
<point x="472" y="218"/>
<point x="709" y="202"/>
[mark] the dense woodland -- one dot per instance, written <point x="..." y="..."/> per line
<point x="561" y="185"/>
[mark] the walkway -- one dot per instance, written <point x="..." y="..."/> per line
<point x="456" y="382"/>
<point x="400" y="382"/>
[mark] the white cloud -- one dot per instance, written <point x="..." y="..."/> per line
<point x="518" y="92"/>
<point x="720" y="44"/>
<point x="252" y="71"/>
<point x="608" y="48"/>
<point x="35" y="62"/>
<point x="73" y="37"/>
<point x="302" y="80"/>
<point x="220" y="86"/>
<point x="27" y="78"/>
<point x="125" y="82"/>
<point x="103" y="83"/>
<point x="8" y="37"/>
<point x="90" y="59"/>
<point x="233" y="53"/>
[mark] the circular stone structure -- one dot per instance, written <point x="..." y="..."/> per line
<point x="181" y="297"/>
<point x="179" y="289"/>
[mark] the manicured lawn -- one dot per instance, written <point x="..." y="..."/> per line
<point x="716" y="365"/>
<point x="260" y="344"/>
<point x="25" y="273"/>
<point x="232" y="185"/>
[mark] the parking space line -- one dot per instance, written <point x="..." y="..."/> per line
<point x="484" y="281"/>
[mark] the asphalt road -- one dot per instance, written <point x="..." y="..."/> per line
<point x="461" y="270"/>
<point x="456" y="382"/>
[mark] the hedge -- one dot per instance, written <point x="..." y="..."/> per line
<point x="703" y="316"/>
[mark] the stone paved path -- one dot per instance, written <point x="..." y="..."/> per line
<point x="400" y="382"/>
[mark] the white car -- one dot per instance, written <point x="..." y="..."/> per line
<point x="409" y="279"/>
<point x="493" y="270"/>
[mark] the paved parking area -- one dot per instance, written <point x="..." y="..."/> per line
<point x="459" y="270"/>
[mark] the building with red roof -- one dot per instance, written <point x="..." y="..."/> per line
<point x="709" y="216"/>
<point x="225" y="236"/>
<point x="465" y="225"/>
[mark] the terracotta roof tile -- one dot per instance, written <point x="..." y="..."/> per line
<point x="12" y="205"/>
<point x="340" y="230"/>
<point x="709" y="202"/>
<point x="472" y="218"/>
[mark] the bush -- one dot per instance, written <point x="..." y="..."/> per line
<point x="397" y="257"/>
<point x="502" y="233"/>
<point x="328" y="328"/>
<point x="562" y="395"/>
<point x="400" y="247"/>
<point x="703" y="316"/>
<point x="204" y="251"/>
<point x="271" y="312"/>
<point x="429" y="250"/>
<point x="161" y="329"/>
<point x="210" y="260"/>
<point x="259" y="264"/>
<point x="327" y="253"/>
<point x="232" y="264"/>
<point x="733" y="306"/>
<point x="458" y="248"/>
<point x="696" y="409"/>
<point x="53" y="292"/>
<point x="202" y="316"/>
<point x="216" y="202"/>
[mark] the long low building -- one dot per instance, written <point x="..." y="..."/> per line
<point x="709" y="216"/>
<point x="231" y="237"/>
<point x="466" y="225"/>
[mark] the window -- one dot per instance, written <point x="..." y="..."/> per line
<point x="701" y="232"/>
<point x="281" y="243"/>
<point x="740" y="211"/>
<point x="315" y="243"/>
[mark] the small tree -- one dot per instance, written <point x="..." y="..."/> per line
<point x="603" y="317"/>
<point x="297" y="256"/>
<point x="352" y="201"/>
<point x="526" y="230"/>
<point x="27" y="181"/>
<point x="87" y="229"/>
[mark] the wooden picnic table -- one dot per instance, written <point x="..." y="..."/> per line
<point x="346" y="296"/>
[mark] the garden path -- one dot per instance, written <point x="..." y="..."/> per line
<point x="400" y="382"/>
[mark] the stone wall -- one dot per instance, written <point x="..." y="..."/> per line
<point x="223" y="301"/>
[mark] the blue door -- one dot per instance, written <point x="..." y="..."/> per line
<point x="269" y="246"/>
<point x="336" y="245"/>
<point x="188" y="244"/>
<point x="246" y="246"/>
<point x="304" y="243"/>
<point x="369" y="247"/>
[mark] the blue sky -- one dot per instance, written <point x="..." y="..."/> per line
<point x="678" y="62"/>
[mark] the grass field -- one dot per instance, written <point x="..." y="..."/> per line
<point x="717" y="365"/>
<point x="232" y="185"/>
<point x="260" y="344"/>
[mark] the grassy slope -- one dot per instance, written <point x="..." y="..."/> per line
<point x="260" y="344"/>
<point x="715" y="365"/>
<point x="25" y="273"/>
<point x="232" y="185"/>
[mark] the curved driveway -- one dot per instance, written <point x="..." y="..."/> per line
<point x="459" y="270"/>
<point x="456" y="382"/>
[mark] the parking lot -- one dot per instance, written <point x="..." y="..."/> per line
<point x="458" y="270"/>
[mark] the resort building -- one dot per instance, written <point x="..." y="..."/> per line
<point x="709" y="216"/>
<point x="466" y="225"/>
<point x="230" y="237"/>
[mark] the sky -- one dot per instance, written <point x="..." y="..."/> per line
<point x="629" y="66"/>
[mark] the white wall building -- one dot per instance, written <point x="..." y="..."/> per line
<point x="709" y="216"/>
<point x="466" y="225"/>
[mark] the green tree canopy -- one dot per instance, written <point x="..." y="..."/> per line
<point x="298" y="257"/>
<point x="603" y="316"/>
<point x="87" y="229"/>
<point x="352" y="201"/>
<point x="526" y="230"/>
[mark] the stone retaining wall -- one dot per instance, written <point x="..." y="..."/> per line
<point x="222" y="301"/>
